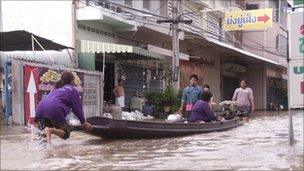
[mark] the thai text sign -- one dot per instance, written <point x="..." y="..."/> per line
<point x="296" y="55"/>
<point x="246" y="20"/>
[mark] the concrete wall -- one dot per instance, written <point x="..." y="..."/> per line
<point x="212" y="76"/>
<point x="207" y="73"/>
<point x="92" y="36"/>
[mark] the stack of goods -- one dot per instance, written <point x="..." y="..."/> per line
<point x="134" y="116"/>
<point x="225" y="109"/>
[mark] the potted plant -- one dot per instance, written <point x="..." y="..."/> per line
<point x="169" y="98"/>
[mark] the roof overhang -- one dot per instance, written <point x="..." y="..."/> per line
<point x="21" y="40"/>
<point x="120" y="51"/>
<point x="241" y="51"/>
<point x="166" y="52"/>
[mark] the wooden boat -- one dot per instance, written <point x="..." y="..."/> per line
<point x="122" y="129"/>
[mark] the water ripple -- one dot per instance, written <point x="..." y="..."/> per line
<point x="261" y="144"/>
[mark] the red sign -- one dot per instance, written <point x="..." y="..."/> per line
<point x="302" y="87"/>
<point x="31" y="81"/>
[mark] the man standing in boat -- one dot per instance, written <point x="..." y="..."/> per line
<point x="119" y="93"/>
<point x="244" y="99"/>
<point x="191" y="94"/>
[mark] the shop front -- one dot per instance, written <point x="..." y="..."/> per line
<point x="276" y="89"/>
<point x="139" y="67"/>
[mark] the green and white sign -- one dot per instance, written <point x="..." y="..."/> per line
<point x="298" y="70"/>
<point x="298" y="2"/>
<point x="296" y="64"/>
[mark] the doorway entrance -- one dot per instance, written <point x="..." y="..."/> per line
<point x="229" y="84"/>
<point x="109" y="80"/>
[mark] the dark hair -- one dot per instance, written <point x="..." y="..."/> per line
<point x="119" y="80"/>
<point x="66" y="77"/>
<point x="206" y="96"/>
<point x="194" y="76"/>
<point x="244" y="81"/>
<point x="206" y="86"/>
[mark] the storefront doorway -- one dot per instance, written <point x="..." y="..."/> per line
<point x="276" y="93"/>
<point x="229" y="84"/>
<point x="109" y="80"/>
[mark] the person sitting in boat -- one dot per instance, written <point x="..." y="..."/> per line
<point x="52" y="110"/>
<point x="206" y="87"/>
<point x="202" y="111"/>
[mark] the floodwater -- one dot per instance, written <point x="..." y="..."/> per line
<point x="261" y="144"/>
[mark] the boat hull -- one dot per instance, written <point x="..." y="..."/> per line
<point x="124" y="129"/>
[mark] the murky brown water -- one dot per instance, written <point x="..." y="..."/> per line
<point x="261" y="144"/>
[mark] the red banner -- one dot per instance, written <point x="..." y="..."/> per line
<point x="302" y="87"/>
<point x="31" y="82"/>
<point x="38" y="83"/>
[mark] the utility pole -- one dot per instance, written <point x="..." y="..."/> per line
<point x="175" y="45"/>
<point x="290" y="125"/>
<point x="176" y="19"/>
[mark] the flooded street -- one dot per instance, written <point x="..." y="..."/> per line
<point x="261" y="144"/>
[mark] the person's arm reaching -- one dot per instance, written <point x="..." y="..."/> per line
<point x="77" y="109"/>
<point x="209" y="112"/>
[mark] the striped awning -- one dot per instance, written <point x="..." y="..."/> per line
<point x="101" y="47"/>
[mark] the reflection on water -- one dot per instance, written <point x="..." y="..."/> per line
<point x="261" y="144"/>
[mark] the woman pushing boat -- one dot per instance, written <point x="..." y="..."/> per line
<point x="53" y="109"/>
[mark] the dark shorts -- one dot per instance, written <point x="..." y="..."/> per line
<point x="245" y="113"/>
<point x="42" y="123"/>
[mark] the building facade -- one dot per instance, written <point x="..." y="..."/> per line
<point x="220" y="58"/>
<point x="258" y="56"/>
<point x="130" y="24"/>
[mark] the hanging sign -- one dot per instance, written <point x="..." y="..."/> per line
<point x="31" y="82"/>
<point x="296" y="56"/>
<point x="298" y="2"/>
<point x="248" y="20"/>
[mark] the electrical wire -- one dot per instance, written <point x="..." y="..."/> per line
<point x="152" y="22"/>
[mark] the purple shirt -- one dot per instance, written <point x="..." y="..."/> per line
<point x="202" y="111"/>
<point x="59" y="102"/>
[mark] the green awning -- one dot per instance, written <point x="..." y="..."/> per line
<point x="120" y="51"/>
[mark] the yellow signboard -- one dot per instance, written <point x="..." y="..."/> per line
<point x="248" y="20"/>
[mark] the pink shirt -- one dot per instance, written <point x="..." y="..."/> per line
<point x="243" y="98"/>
